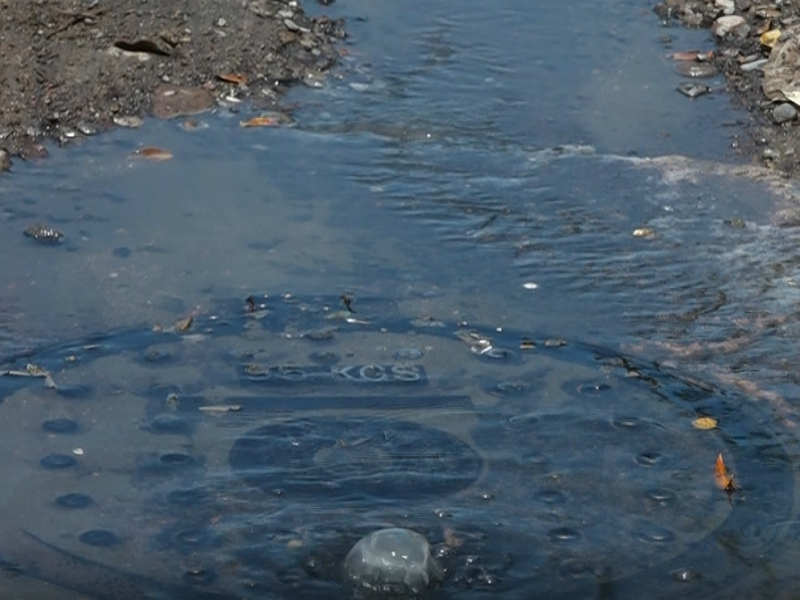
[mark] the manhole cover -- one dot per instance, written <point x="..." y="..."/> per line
<point x="248" y="452"/>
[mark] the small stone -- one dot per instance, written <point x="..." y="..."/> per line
<point x="221" y="22"/>
<point x="728" y="7"/>
<point x="131" y="122"/>
<point x="781" y="113"/>
<point x="86" y="129"/>
<point x="5" y="161"/>
<point x="695" y="69"/>
<point x="734" y="24"/>
<point x="693" y="90"/>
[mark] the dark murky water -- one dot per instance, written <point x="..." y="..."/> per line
<point x="474" y="181"/>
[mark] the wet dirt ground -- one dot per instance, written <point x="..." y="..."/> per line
<point x="72" y="68"/>
<point x="768" y="138"/>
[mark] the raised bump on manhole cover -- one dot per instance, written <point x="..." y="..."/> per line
<point x="354" y="457"/>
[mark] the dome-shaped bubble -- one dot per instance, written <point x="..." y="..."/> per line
<point x="392" y="561"/>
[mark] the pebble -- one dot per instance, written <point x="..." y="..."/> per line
<point x="695" y="69"/>
<point x="735" y="24"/>
<point x="693" y="90"/>
<point x="784" y="112"/>
<point x="5" y="161"/>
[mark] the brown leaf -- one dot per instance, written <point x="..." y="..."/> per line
<point x="153" y="153"/>
<point x="184" y="324"/>
<point x="722" y="477"/>
<point x="260" y="122"/>
<point x="233" y="78"/>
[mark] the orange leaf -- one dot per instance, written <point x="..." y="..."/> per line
<point x="233" y="78"/>
<point x="260" y="122"/>
<point x="153" y="153"/>
<point x="723" y="477"/>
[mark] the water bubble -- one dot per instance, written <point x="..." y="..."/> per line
<point x="684" y="575"/>
<point x="393" y="560"/>
<point x="593" y="388"/>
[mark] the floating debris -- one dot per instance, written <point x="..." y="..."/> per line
<point x="44" y="234"/>
<point x="644" y="232"/>
<point x="722" y="477"/>
<point x="704" y="423"/>
<point x="153" y="153"/>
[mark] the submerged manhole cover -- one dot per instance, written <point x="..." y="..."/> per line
<point x="247" y="453"/>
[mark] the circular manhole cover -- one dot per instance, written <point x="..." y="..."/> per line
<point x="249" y="451"/>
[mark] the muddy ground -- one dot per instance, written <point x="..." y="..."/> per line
<point x="72" y="68"/>
<point x="771" y="138"/>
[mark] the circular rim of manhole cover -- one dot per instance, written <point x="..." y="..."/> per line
<point x="329" y="393"/>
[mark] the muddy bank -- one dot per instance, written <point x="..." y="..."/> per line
<point x="72" y="68"/>
<point x="757" y="47"/>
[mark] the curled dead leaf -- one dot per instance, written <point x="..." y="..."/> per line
<point x="233" y="78"/>
<point x="153" y="153"/>
<point x="704" y="423"/>
<point x="260" y="122"/>
<point x="722" y="477"/>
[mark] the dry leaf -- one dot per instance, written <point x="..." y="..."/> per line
<point x="770" y="38"/>
<point x="185" y="324"/>
<point x="153" y="153"/>
<point x="722" y="477"/>
<point x="704" y="423"/>
<point x="260" y="122"/>
<point x="233" y="78"/>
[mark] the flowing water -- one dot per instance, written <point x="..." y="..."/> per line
<point x="519" y="376"/>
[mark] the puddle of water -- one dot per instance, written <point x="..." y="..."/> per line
<point x="427" y="179"/>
